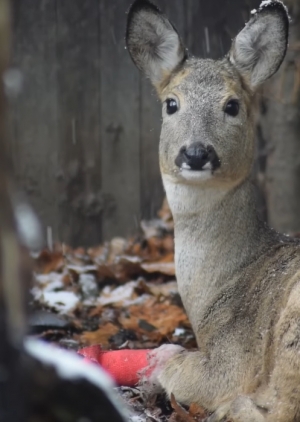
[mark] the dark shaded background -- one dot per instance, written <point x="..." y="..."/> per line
<point x="85" y="126"/>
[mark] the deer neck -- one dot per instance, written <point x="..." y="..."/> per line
<point x="217" y="232"/>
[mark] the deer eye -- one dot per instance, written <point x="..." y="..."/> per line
<point x="232" y="108"/>
<point x="172" y="106"/>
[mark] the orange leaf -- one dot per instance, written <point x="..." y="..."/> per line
<point x="101" y="336"/>
<point x="48" y="262"/>
<point x="184" y="415"/>
<point x="165" y="213"/>
<point x="163" y="316"/>
<point x="197" y="411"/>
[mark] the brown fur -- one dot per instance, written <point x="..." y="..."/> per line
<point x="170" y="83"/>
<point x="238" y="89"/>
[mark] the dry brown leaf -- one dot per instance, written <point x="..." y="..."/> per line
<point x="101" y="336"/>
<point x="197" y="411"/>
<point x="174" y="418"/>
<point x="79" y="252"/>
<point x="123" y="259"/>
<point x="155" y="248"/>
<point x="105" y="271"/>
<point x="184" y="415"/>
<point x="165" y="213"/>
<point x="109" y="251"/>
<point x="163" y="316"/>
<point x="67" y="279"/>
<point x="48" y="262"/>
<point x="123" y="269"/>
<point x="168" y="243"/>
<point x="97" y="311"/>
<point x="135" y="246"/>
<point x="97" y="252"/>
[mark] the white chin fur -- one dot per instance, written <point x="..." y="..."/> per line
<point x="196" y="175"/>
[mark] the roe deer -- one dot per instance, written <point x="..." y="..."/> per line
<point x="238" y="279"/>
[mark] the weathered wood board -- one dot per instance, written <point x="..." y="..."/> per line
<point x="86" y="124"/>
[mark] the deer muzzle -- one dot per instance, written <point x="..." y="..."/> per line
<point x="197" y="157"/>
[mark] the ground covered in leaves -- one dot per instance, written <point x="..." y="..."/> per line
<point x="122" y="294"/>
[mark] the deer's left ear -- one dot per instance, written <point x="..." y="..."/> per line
<point x="259" y="49"/>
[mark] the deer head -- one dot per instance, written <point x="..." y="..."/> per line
<point x="208" y="105"/>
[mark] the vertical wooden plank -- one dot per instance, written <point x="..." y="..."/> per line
<point x="211" y="26"/>
<point x="79" y="178"/>
<point x="152" y="192"/>
<point x="34" y="111"/>
<point x="120" y="131"/>
<point x="194" y="32"/>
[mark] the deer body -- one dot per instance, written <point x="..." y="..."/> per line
<point x="233" y="290"/>
<point x="238" y="279"/>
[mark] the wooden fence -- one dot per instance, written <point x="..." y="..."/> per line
<point x="85" y="126"/>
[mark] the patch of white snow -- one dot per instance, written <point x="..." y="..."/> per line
<point x="88" y="285"/>
<point x="266" y="3"/>
<point x="110" y="295"/>
<point x="82" y="269"/>
<point x="62" y="302"/>
<point x="179" y="332"/>
<point x="47" y="279"/>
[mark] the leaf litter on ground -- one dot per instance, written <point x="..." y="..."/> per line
<point x="121" y="294"/>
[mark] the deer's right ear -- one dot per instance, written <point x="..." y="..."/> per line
<point x="153" y="42"/>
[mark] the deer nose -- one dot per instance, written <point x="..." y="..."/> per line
<point x="195" y="156"/>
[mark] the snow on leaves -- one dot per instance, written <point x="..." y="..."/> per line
<point x="121" y="294"/>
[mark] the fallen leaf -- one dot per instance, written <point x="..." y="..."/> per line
<point x="154" y="228"/>
<point x="117" y="295"/>
<point x="122" y="269"/>
<point x="165" y="213"/>
<point x="168" y="243"/>
<point x="163" y="289"/>
<point x="48" y="262"/>
<point x="197" y="412"/>
<point x="155" y="248"/>
<point x="163" y="316"/>
<point x="184" y="415"/>
<point x="98" y="252"/>
<point x="175" y="418"/>
<point x="100" y="336"/>
<point x="167" y="268"/>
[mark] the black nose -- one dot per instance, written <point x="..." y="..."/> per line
<point x="195" y="156"/>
